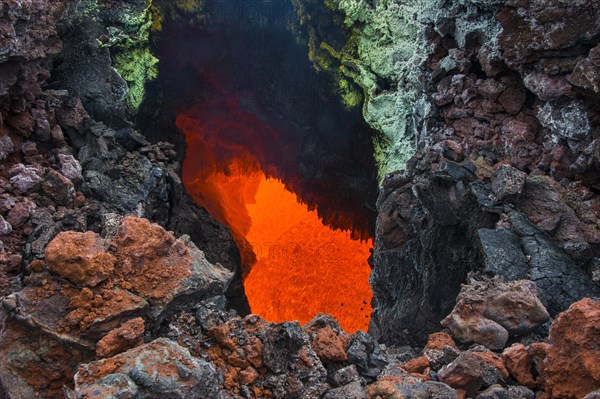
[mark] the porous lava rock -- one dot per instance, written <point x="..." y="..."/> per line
<point x="80" y="258"/>
<point x="126" y="336"/>
<point x="571" y="367"/>
<point x="160" y="368"/>
<point x="93" y="294"/>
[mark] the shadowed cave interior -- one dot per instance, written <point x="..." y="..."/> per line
<point x="271" y="152"/>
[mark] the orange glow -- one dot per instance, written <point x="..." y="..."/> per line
<point x="295" y="266"/>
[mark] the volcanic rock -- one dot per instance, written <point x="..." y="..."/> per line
<point x="20" y="213"/>
<point x="5" y="227"/>
<point x="70" y="168"/>
<point x="507" y="181"/>
<point x="288" y="366"/>
<point x="587" y="72"/>
<point x="58" y="188"/>
<point x="128" y="335"/>
<point x="24" y="179"/>
<point x="415" y="273"/>
<point x="353" y="390"/>
<point x="77" y="315"/>
<point x="593" y="395"/>
<point x="469" y="372"/>
<point x="156" y="266"/>
<point x="512" y="392"/>
<point x="519" y="363"/>
<point x="6" y="147"/>
<point x="571" y="367"/>
<point x="345" y="376"/>
<point x="530" y="28"/>
<point x="366" y="354"/>
<point x="409" y="387"/>
<point x="328" y="345"/>
<point x="489" y="311"/>
<point x="80" y="258"/>
<point x="35" y="363"/>
<point x="158" y="369"/>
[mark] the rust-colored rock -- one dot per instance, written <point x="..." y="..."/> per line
<point x="418" y="367"/>
<point x="572" y="369"/>
<point x="439" y="340"/>
<point x="158" y="267"/>
<point x="80" y="258"/>
<point x="328" y="345"/>
<point x="519" y="363"/>
<point x="128" y="335"/>
<point x="35" y="364"/>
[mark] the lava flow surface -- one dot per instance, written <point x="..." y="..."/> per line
<point x="295" y="265"/>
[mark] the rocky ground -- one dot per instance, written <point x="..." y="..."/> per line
<point x="114" y="284"/>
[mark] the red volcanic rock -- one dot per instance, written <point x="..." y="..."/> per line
<point x="127" y="336"/>
<point x="572" y="369"/>
<point x="587" y="72"/>
<point x="35" y="364"/>
<point x="80" y="258"/>
<point x="488" y="311"/>
<point x="328" y="345"/>
<point x="20" y="213"/>
<point x="418" y="367"/>
<point x="439" y="340"/>
<point x="59" y="188"/>
<point x="548" y="87"/>
<point x="519" y="363"/>
<point x="531" y="27"/>
<point x="158" y="267"/>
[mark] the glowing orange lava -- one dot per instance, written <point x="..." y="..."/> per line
<point x="301" y="267"/>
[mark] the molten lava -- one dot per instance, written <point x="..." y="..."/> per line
<point x="297" y="266"/>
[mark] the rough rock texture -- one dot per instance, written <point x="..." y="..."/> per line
<point x="81" y="258"/>
<point x="488" y="312"/>
<point x="128" y="335"/>
<point x="571" y="367"/>
<point x="160" y="368"/>
<point x="87" y="298"/>
<point x="505" y="177"/>
<point x="469" y="373"/>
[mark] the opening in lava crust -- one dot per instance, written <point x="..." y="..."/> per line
<point x="272" y="153"/>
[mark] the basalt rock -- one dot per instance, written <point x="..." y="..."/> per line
<point x="469" y="373"/>
<point x="518" y="237"/>
<point x="423" y="250"/>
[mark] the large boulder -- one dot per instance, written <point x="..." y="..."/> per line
<point x="571" y="367"/>
<point x="158" y="369"/>
<point x="489" y="311"/>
